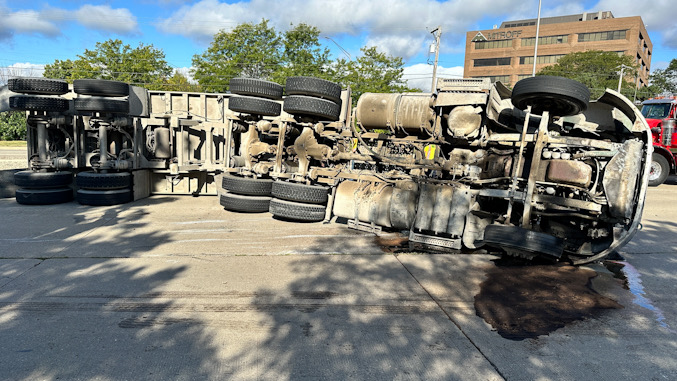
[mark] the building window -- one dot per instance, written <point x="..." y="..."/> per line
<point x="497" y="78"/>
<point x="493" y="44"/>
<point x="522" y="76"/>
<point x="602" y="36"/>
<point x="541" y="59"/>
<point x="548" y="40"/>
<point x="503" y="61"/>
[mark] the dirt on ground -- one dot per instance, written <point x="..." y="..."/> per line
<point x="527" y="301"/>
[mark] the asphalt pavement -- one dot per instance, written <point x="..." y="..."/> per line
<point x="176" y="288"/>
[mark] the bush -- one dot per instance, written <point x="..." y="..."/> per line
<point x="12" y="125"/>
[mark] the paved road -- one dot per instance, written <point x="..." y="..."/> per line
<point x="176" y="288"/>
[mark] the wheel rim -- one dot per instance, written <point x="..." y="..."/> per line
<point x="655" y="171"/>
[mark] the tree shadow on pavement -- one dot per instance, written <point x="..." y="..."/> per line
<point x="78" y="304"/>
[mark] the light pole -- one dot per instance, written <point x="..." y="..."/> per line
<point x="620" y="78"/>
<point x="538" y="27"/>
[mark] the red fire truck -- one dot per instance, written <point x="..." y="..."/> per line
<point x="660" y="114"/>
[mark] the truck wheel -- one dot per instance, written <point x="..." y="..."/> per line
<point x="39" y="180"/>
<point x="37" y="86"/>
<point x="38" y="103"/>
<point x="315" y="87"/>
<point x="46" y="196"/>
<point x="102" y="105"/>
<point x="101" y="87"/>
<point x="517" y="241"/>
<point x="659" y="171"/>
<point x="303" y="105"/>
<point x="297" y="211"/>
<point x="246" y="204"/>
<point x="311" y="194"/>
<point x="103" y="181"/>
<point x="104" y="197"/>
<point x="255" y="88"/>
<point x="557" y="95"/>
<point x="246" y="186"/>
<point x="256" y="106"/>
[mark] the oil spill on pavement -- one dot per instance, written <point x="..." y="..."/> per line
<point x="524" y="302"/>
<point x="633" y="282"/>
<point x="393" y="243"/>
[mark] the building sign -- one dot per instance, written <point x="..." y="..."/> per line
<point x="502" y="35"/>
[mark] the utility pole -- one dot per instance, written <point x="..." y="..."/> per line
<point x="437" y="33"/>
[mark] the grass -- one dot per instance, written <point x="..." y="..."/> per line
<point x="12" y="143"/>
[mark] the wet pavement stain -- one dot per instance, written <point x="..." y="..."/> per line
<point x="633" y="282"/>
<point x="527" y="301"/>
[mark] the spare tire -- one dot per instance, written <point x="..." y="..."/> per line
<point x="255" y="88"/>
<point x="101" y="87"/>
<point x="255" y="106"/>
<point x="37" y="86"/>
<point x="314" y="87"/>
<point x="324" y="109"/>
<point x="32" y="103"/>
<point x="557" y="95"/>
<point x="117" y="106"/>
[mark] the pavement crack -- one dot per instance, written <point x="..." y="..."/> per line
<point x="24" y="272"/>
<point x="450" y="318"/>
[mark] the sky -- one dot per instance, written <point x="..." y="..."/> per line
<point x="35" y="33"/>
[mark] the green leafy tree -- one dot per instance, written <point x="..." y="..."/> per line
<point x="249" y="50"/>
<point x="13" y="125"/>
<point x="302" y="54"/>
<point x="596" y="69"/>
<point x="665" y="80"/>
<point x="179" y="82"/>
<point x="372" y="72"/>
<point x="144" y="65"/>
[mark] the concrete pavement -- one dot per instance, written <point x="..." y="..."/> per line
<point x="178" y="288"/>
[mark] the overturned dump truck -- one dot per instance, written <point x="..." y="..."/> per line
<point x="539" y="171"/>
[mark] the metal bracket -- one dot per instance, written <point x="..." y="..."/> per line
<point x="435" y="241"/>
<point x="365" y="227"/>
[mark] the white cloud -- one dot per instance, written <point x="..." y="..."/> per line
<point x="420" y="76"/>
<point x="49" y="21"/>
<point x="105" y="18"/>
<point x="398" y="26"/>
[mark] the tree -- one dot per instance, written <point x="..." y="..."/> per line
<point x="13" y="125"/>
<point x="179" y="82"/>
<point x="597" y="69"/>
<point x="144" y="65"/>
<point x="665" y="80"/>
<point x="302" y="55"/>
<point x="373" y="72"/>
<point x="249" y="50"/>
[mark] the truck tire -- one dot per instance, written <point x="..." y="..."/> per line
<point x="659" y="171"/>
<point x="103" y="181"/>
<point x="311" y="194"/>
<point x="557" y="95"/>
<point x="40" y="180"/>
<point x="37" y="86"/>
<point x="101" y="87"/>
<point x="246" y="204"/>
<point x="314" y="87"/>
<point x="296" y="211"/>
<point x="117" y="106"/>
<point x="38" y="103"/>
<point x="303" y="105"/>
<point x="256" y="88"/>
<point x="256" y="106"/>
<point x="517" y="241"/>
<point x="246" y="186"/>
<point x="46" y="196"/>
<point x="104" y="197"/>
